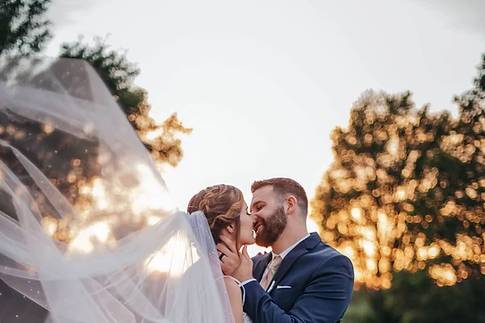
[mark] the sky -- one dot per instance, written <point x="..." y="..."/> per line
<point x="263" y="83"/>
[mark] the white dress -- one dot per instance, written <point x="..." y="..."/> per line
<point x="246" y="318"/>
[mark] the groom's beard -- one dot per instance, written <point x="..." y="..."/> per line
<point x="272" y="228"/>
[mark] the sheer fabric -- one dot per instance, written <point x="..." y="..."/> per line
<point x="87" y="229"/>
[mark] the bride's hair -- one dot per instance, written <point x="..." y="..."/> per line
<point x="221" y="205"/>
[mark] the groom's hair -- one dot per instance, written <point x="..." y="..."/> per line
<point x="284" y="186"/>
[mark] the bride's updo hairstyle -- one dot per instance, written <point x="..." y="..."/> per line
<point x="221" y="205"/>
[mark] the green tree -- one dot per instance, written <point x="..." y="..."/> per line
<point x="23" y="28"/>
<point x="414" y="298"/>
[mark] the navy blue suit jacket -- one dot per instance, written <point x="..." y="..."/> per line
<point x="313" y="284"/>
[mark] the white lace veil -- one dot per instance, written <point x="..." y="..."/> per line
<point x="87" y="230"/>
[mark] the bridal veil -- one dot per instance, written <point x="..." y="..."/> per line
<point x="87" y="229"/>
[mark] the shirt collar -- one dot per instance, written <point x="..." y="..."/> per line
<point x="287" y="251"/>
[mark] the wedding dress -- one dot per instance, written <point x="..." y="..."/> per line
<point x="87" y="229"/>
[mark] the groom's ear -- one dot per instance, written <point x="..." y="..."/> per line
<point x="291" y="203"/>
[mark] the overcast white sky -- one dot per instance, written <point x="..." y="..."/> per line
<point x="263" y="83"/>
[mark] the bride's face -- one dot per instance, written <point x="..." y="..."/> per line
<point x="246" y="235"/>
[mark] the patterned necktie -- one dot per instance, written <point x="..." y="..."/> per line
<point x="270" y="271"/>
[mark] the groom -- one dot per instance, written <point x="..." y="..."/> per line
<point x="302" y="279"/>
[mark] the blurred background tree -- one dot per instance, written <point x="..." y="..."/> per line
<point x="52" y="145"/>
<point x="404" y="199"/>
<point x="24" y="30"/>
<point x="118" y="75"/>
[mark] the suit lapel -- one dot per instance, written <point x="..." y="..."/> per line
<point x="301" y="249"/>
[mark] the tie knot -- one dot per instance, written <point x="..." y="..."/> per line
<point x="275" y="262"/>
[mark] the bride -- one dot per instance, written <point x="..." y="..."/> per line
<point x="227" y="214"/>
<point x="87" y="227"/>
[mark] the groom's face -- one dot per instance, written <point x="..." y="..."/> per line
<point x="269" y="216"/>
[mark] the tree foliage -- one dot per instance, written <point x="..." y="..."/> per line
<point x="414" y="298"/>
<point x="24" y="30"/>
<point x="161" y="139"/>
<point x="406" y="189"/>
<point x="118" y="74"/>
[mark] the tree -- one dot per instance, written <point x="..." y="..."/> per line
<point x="118" y="74"/>
<point x="23" y="28"/>
<point x="161" y="139"/>
<point x="406" y="189"/>
<point x="414" y="298"/>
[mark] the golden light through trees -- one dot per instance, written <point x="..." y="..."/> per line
<point x="102" y="206"/>
<point x="406" y="191"/>
<point x="161" y="139"/>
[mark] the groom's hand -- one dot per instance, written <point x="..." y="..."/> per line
<point x="238" y="265"/>
<point x="245" y="270"/>
<point x="230" y="259"/>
